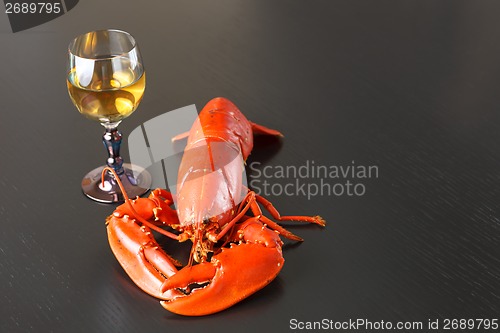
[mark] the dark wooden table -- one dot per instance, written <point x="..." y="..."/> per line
<point x="410" y="87"/>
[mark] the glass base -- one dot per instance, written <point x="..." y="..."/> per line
<point x="110" y="193"/>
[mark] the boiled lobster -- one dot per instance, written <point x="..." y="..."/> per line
<point x="236" y="249"/>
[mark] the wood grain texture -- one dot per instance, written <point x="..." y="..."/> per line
<point x="411" y="87"/>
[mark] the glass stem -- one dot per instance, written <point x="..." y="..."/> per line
<point x="112" y="140"/>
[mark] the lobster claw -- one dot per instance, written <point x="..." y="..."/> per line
<point x="140" y="255"/>
<point x="230" y="276"/>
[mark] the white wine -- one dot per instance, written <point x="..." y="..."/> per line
<point x="109" y="93"/>
<point x="106" y="82"/>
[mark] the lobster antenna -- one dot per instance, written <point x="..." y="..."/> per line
<point x="196" y="240"/>
<point x="128" y="201"/>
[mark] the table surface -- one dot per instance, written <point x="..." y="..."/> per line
<point x="410" y="88"/>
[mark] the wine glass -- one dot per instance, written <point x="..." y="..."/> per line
<point x="106" y="82"/>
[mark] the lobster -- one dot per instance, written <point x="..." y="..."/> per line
<point x="236" y="251"/>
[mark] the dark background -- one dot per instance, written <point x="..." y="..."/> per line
<point x="409" y="86"/>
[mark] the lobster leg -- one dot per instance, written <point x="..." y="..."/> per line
<point x="232" y="275"/>
<point x="276" y="215"/>
<point x="156" y="206"/>
<point x="259" y="129"/>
